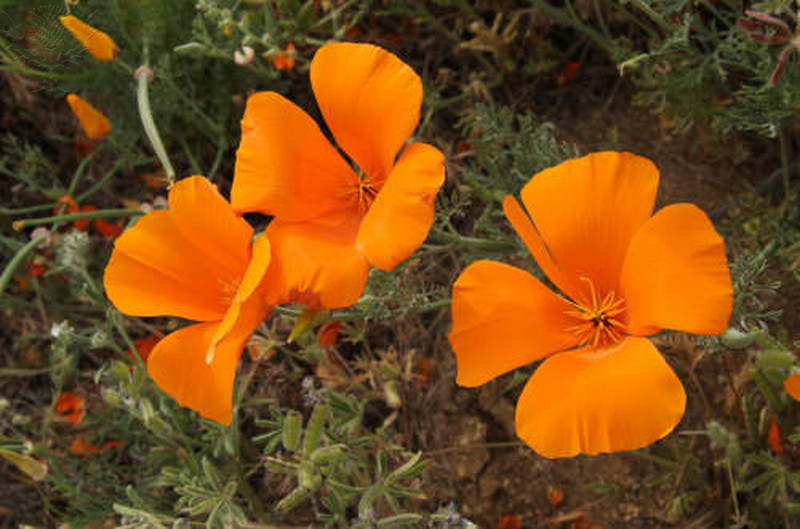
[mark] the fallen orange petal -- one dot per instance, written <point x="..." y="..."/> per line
<point x="71" y="405"/>
<point x="284" y="60"/>
<point x="792" y="386"/>
<point x="329" y="333"/>
<point x="94" y="123"/>
<point x="555" y="496"/>
<point x="79" y="447"/>
<point x="69" y="202"/>
<point x="98" y="44"/>
<point x="774" y="436"/>
<point x="144" y="346"/>
<point x="509" y="521"/>
<point x="82" y="224"/>
<point x="108" y="229"/>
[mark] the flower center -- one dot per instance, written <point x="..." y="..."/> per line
<point x="366" y="194"/>
<point x="365" y="189"/>
<point x="601" y="322"/>
<point x="228" y="290"/>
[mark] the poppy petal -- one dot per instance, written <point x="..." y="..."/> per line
<point x="504" y="318"/>
<point x="591" y="401"/>
<point x="208" y="221"/>
<point x="286" y="167"/>
<point x="792" y="386"/>
<point x="676" y="276"/>
<point x="178" y="363"/>
<point x="315" y="264"/>
<point x="186" y="261"/>
<point x="587" y="211"/>
<point x="99" y="44"/>
<point x="524" y="227"/>
<point x="401" y="215"/>
<point x="93" y="122"/>
<point x="156" y="271"/>
<point x="370" y="100"/>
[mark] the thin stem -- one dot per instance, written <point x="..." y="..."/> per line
<point x="100" y="183"/>
<point x="73" y="185"/>
<point x="149" y="124"/>
<point x="786" y="170"/>
<point x="359" y="315"/>
<point x="99" y="214"/>
<point x="473" y="243"/>
<point x="13" y="264"/>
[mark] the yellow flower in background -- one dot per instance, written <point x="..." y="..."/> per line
<point x="98" y="44"/>
<point x="94" y="123"/>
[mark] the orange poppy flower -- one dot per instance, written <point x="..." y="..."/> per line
<point x="98" y="44"/>
<point x="195" y="261"/>
<point x="72" y="406"/>
<point x="622" y="275"/>
<point x="284" y="60"/>
<point x="332" y="222"/>
<point x="792" y="386"/>
<point x="94" y="123"/>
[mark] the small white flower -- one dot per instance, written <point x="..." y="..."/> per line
<point x="244" y="56"/>
<point x="44" y="232"/>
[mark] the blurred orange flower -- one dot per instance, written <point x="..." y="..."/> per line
<point x="94" y="123"/>
<point x="145" y="347"/>
<point x="80" y="447"/>
<point x="284" y="60"/>
<point x="622" y="274"/>
<point x="333" y="221"/>
<point x="555" y="496"/>
<point x="98" y="44"/>
<point x="509" y="521"/>
<point x="329" y="333"/>
<point x="106" y="228"/>
<point x="72" y="406"/>
<point x="196" y="261"/>
<point x="792" y="386"/>
<point x="774" y="436"/>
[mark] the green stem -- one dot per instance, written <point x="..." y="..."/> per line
<point x="27" y="372"/>
<point x="149" y="124"/>
<point x="25" y="211"/>
<point x="473" y="243"/>
<point x="99" y="214"/>
<point x="73" y="185"/>
<point x="100" y="183"/>
<point x="355" y="315"/>
<point x="13" y="264"/>
<point x="786" y="170"/>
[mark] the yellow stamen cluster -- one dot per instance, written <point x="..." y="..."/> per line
<point x="600" y="323"/>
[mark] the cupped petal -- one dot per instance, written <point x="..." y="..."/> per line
<point x="587" y="211"/>
<point x="591" y="401"/>
<point x="504" y="318"/>
<point x="676" y="276"/>
<point x="253" y="280"/>
<point x="208" y="221"/>
<point x="315" y="264"/>
<point x="156" y="271"/>
<point x="524" y="227"/>
<point x="178" y="363"/>
<point x="401" y="215"/>
<point x="792" y="386"/>
<point x="370" y="100"/>
<point x="286" y="167"/>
